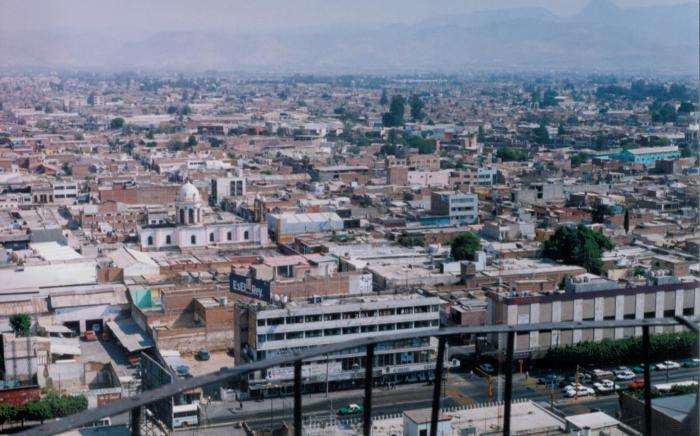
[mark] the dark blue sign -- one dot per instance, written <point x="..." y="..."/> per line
<point x="249" y="287"/>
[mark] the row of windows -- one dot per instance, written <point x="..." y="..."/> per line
<point x="346" y="330"/>
<point x="193" y="238"/>
<point x="348" y="315"/>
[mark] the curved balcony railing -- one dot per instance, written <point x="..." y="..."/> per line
<point x="134" y="403"/>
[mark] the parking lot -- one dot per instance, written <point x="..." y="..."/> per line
<point x="217" y="360"/>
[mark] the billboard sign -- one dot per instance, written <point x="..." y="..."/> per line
<point x="249" y="287"/>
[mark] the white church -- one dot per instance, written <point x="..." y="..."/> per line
<point x="193" y="230"/>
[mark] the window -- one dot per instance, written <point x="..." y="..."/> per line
<point x="331" y="316"/>
<point x="331" y="332"/>
<point x="150" y="240"/>
<point x="295" y="319"/>
<point x="350" y="330"/>
<point x="228" y="236"/>
<point x="314" y="333"/>
<point x="275" y="321"/>
<point x="629" y="316"/>
<point x="649" y="315"/>
<point x="245" y="235"/>
<point x="193" y="239"/>
<point x="669" y="313"/>
<point x="211" y="237"/>
<point x="312" y="318"/>
<point x="295" y="335"/>
<point x="191" y="214"/>
<point x="609" y="318"/>
<point x="261" y="322"/>
<point x="688" y="311"/>
<point x="168" y="240"/>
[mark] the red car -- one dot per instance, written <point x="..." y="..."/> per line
<point x="636" y="384"/>
<point x="90" y="335"/>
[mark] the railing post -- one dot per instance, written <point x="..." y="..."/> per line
<point x="437" y="385"/>
<point x="647" y="380"/>
<point x="136" y="421"/>
<point x="367" y="405"/>
<point x="297" y="398"/>
<point x="508" y="397"/>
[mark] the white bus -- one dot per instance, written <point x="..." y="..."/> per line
<point x="185" y="415"/>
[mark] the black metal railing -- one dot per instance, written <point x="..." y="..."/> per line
<point x="134" y="403"/>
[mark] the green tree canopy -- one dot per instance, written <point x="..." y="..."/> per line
<point x="116" y="123"/>
<point x="416" y="105"/>
<point x="465" y="246"/>
<point x="21" y="324"/>
<point x="578" y="246"/>
<point x="384" y="99"/>
<point x="508" y="154"/>
<point x="394" y="118"/>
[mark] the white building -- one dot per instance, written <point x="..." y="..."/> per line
<point x="276" y="330"/>
<point x="192" y="230"/>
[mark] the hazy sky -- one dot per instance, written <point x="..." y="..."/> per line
<point x="251" y="15"/>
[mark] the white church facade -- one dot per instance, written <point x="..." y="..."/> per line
<point x="190" y="230"/>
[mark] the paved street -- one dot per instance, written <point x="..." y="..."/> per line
<point x="461" y="389"/>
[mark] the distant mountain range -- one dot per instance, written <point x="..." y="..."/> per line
<point x="601" y="38"/>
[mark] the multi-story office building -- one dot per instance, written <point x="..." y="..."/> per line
<point x="589" y="299"/>
<point x="461" y="208"/>
<point x="284" y="328"/>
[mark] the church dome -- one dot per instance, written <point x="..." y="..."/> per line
<point x="188" y="193"/>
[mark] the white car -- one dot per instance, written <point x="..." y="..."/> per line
<point x="625" y="375"/>
<point x="605" y="386"/>
<point x="583" y="391"/>
<point x="621" y="369"/>
<point x="668" y="364"/>
<point x="672" y="364"/>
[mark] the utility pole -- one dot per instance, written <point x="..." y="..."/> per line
<point x="576" y="397"/>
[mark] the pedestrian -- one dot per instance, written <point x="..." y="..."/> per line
<point x="527" y="375"/>
<point x="240" y="404"/>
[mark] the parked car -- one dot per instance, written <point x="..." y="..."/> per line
<point x="203" y="354"/>
<point x="605" y="386"/>
<point x="582" y="392"/>
<point x="637" y="384"/>
<point x="350" y="409"/>
<point x="602" y="374"/>
<point x="549" y="379"/>
<point x="620" y="369"/>
<point x="625" y="375"/>
<point x="487" y="368"/>
<point x="89" y="336"/>
<point x="691" y="363"/>
<point x="668" y="364"/>
<point x="639" y="369"/>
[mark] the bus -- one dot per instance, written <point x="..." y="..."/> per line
<point x="185" y="415"/>
<point x="104" y="422"/>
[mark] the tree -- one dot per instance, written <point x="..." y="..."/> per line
<point x="21" y="324"/>
<point x="416" y="105"/>
<point x="424" y="146"/>
<point x="465" y="246"/>
<point x="116" y="123"/>
<point x="38" y="410"/>
<point x="191" y="141"/>
<point x="481" y="136"/>
<point x="578" y="246"/>
<point x="384" y="99"/>
<point x="627" y="221"/>
<point x="541" y="134"/>
<point x="686" y="107"/>
<point x="507" y="154"/>
<point x="394" y="118"/>
<point x="578" y="159"/>
<point x="172" y="109"/>
<point x="8" y="412"/>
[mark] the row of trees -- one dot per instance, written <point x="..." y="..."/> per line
<point x="622" y="351"/>
<point x="53" y="405"/>
<point x="395" y="116"/>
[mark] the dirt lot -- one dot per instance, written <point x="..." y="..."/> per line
<point x="217" y="361"/>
